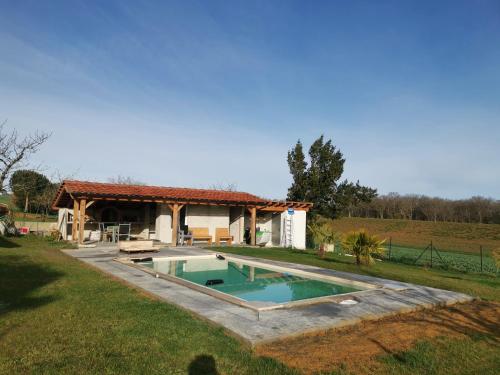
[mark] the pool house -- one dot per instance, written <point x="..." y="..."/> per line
<point x="106" y="212"/>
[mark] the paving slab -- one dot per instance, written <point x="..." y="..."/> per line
<point x="253" y="327"/>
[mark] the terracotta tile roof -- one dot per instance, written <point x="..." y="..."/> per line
<point x="98" y="189"/>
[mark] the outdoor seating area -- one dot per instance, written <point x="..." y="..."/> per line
<point x="201" y="234"/>
<point x="222" y="234"/>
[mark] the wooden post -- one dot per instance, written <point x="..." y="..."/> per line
<point x="146" y="219"/>
<point x="81" y="220"/>
<point x="74" y="227"/>
<point x="175" y="222"/>
<point x="242" y="226"/>
<point x="253" y="225"/>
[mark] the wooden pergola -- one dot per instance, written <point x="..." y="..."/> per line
<point x="80" y="195"/>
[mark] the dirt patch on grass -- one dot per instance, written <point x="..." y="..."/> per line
<point x="356" y="349"/>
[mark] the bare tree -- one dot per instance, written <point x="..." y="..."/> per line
<point x="419" y="207"/>
<point x="483" y="207"/>
<point x="15" y="150"/>
<point x="224" y="186"/>
<point x="380" y="205"/>
<point x="125" y="180"/>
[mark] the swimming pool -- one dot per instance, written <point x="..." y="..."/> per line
<point x="249" y="283"/>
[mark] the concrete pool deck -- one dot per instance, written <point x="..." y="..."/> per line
<point x="391" y="298"/>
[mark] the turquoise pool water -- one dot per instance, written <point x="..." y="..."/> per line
<point x="247" y="282"/>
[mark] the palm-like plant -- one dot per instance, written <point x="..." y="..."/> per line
<point x="322" y="234"/>
<point x="363" y="245"/>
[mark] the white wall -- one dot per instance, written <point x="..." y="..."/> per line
<point x="163" y="225"/>
<point x="210" y="217"/>
<point x="298" y="229"/>
<point x="62" y="226"/>
<point x="237" y="224"/>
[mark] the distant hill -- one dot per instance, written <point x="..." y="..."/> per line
<point x="445" y="236"/>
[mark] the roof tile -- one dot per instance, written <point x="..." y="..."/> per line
<point x="159" y="192"/>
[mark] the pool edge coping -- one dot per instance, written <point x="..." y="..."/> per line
<point x="369" y="289"/>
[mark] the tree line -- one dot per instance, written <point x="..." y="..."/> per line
<point x="420" y="207"/>
<point x="316" y="178"/>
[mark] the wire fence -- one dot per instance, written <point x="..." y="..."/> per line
<point x="477" y="260"/>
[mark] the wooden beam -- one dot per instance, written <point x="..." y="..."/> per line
<point x="281" y="209"/>
<point x="146" y="218"/>
<point x="179" y="206"/>
<point x="175" y="222"/>
<point x="253" y="225"/>
<point x="74" y="227"/>
<point x="81" y="220"/>
<point x="272" y="209"/>
<point x="89" y="204"/>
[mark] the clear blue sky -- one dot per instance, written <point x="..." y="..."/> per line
<point x="196" y="93"/>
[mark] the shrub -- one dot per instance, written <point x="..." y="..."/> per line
<point x="322" y="234"/>
<point x="363" y="245"/>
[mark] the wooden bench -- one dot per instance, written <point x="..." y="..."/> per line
<point x="136" y="246"/>
<point x="201" y="234"/>
<point x="222" y="234"/>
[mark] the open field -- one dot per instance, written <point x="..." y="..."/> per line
<point x="58" y="315"/>
<point x="462" y="237"/>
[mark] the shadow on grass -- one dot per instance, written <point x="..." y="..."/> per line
<point x="6" y="243"/>
<point x="19" y="279"/>
<point x="203" y="365"/>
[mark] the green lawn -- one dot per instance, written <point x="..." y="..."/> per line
<point x="59" y="316"/>
<point x="6" y="199"/>
<point x="472" y="356"/>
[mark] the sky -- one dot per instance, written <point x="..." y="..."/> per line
<point x="202" y="93"/>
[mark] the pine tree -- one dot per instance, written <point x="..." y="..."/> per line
<point x="326" y="168"/>
<point x="297" y="165"/>
<point x="318" y="183"/>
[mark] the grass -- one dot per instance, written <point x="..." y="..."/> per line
<point x="60" y="316"/>
<point x="441" y="355"/>
<point x="458" y="339"/>
<point x="6" y="199"/>
<point x="463" y="237"/>
<point x="446" y="356"/>
<point x="22" y="217"/>
<point x="461" y="261"/>
<point x="479" y="285"/>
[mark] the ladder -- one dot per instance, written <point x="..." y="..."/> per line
<point x="288" y="231"/>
